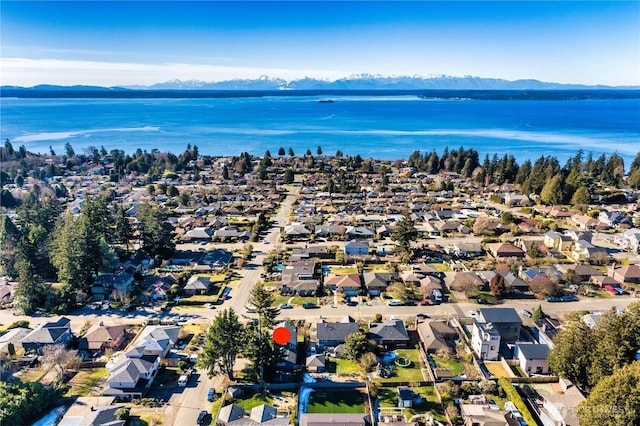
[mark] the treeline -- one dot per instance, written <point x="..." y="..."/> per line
<point x="42" y="244"/>
<point x="603" y="361"/>
<point x="573" y="183"/>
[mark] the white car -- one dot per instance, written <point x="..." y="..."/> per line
<point x="526" y="313"/>
<point x="285" y="306"/>
<point x="208" y="305"/>
<point x="395" y="302"/>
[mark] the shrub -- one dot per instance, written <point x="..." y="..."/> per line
<point x="513" y="395"/>
<point x="122" y="414"/>
<point x="19" y="324"/>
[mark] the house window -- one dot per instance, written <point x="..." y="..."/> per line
<point x="493" y="348"/>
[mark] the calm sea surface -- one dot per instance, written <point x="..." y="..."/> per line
<point x="387" y="127"/>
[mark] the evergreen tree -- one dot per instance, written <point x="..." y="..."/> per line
<point x="281" y="151"/>
<point x="262" y="302"/>
<point x="319" y="150"/>
<point x="224" y="341"/>
<point x="123" y="230"/>
<point x="156" y="233"/>
<point x="552" y="191"/>
<point x="615" y="400"/>
<point x="571" y="353"/>
<point x="404" y="233"/>
<point x="581" y="196"/>
<point x="537" y="314"/>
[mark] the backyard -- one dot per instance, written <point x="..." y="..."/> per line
<point x="429" y="401"/>
<point x="332" y="401"/>
<point x="341" y="366"/>
<point x="82" y="383"/>
<point x="412" y="373"/>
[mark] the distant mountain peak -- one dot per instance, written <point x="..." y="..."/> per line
<point x="362" y="81"/>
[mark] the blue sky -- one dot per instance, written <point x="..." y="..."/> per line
<point x="119" y="42"/>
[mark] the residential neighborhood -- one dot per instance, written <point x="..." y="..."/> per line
<point x="406" y="297"/>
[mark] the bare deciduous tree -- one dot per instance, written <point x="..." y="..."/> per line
<point x="60" y="358"/>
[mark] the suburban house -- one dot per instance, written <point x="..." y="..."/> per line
<point x="584" y="272"/>
<point x="13" y="338"/>
<point x="348" y="284"/>
<point x="584" y="250"/>
<point x="391" y="333"/>
<point x="485" y="341"/>
<point x="505" y="320"/>
<point x="464" y="249"/>
<point x="233" y="414"/>
<point x="501" y="250"/>
<point x="533" y="358"/>
<point x="359" y="232"/>
<point x="296" y="230"/>
<point x="377" y="282"/>
<point x="158" y="286"/>
<point x="198" y="234"/>
<point x="92" y="411"/>
<point x="289" y="361"/>
<point x="215" y="260"/>
<point x="584" y="222"/>
<point x="300" y="277"/>
<point x="49" y="333"/>
<point x="628" y="240"/>
<point x="436" y="336"/>
<point x="356" y="248"/>
<point x="332" y="334"/>
<point x="132" y="374"/>
<point x="115" y="286"/>
<point x="546" y="330"/>
<point x="482" y="415"/>
<point x="558" y="241"/>
<point x="100" y="337"/>
<point x="625" y="273"/>
<point x="612" y="218"/>
<point x="197" y="285"/>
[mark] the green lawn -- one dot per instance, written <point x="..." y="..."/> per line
<point x="331" y="401"/>
<point x="343" y="366"/>
<point x="82" y="383"/>
<point x="409" y="374"/>
<point x="297" y="300"/>
<point x="255" y="400"/>
<point x="456" y="367"/>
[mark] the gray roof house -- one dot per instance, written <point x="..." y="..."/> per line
<point x="377" y="282"/>
<point x="49" y="333"/>
<point x="390" y="333"/>
<point x="505" y="320"/>
<point x="334" y="333"/>
<point x="197" y="285"/>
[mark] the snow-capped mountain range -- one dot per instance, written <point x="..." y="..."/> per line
<point x="353" y="82"/>
<point x="366" y="82"/>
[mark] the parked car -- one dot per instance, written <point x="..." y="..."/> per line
<point x="552" y="299"/>
<point x="209" y="305"/>
<point x="568" y="298"/>
<point x="619" y="290"/>
<point x="285" y="306"/>
<point x="422" y="316"/>
<point x="526" y="313"/>
<point x="472" y="314"/>
<point x="310" y="305"/>
<point x="409" y="303"/>
<point x="352" y="303"/>
<point x="394" y="302"/>
<point x="482" y="301"/>
<point x="610" y="289"/>
<point x="202" y="417"/>
<point x="211" y="395"/>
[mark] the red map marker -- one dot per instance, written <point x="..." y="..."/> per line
<point x="281" y="335"/>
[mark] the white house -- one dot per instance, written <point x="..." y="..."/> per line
<point x="485" y="341"/>
<point x="533" y="358"/>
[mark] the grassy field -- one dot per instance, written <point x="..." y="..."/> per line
<point x="456" y="367"/>
<point x="31" y="374"/>
<point x="82" y="383"/>
<point x="331" y="401"/>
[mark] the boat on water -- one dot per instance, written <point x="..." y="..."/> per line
<point x="325" y="101"/>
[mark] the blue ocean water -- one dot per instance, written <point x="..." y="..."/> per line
<point x="386" y="127"/>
